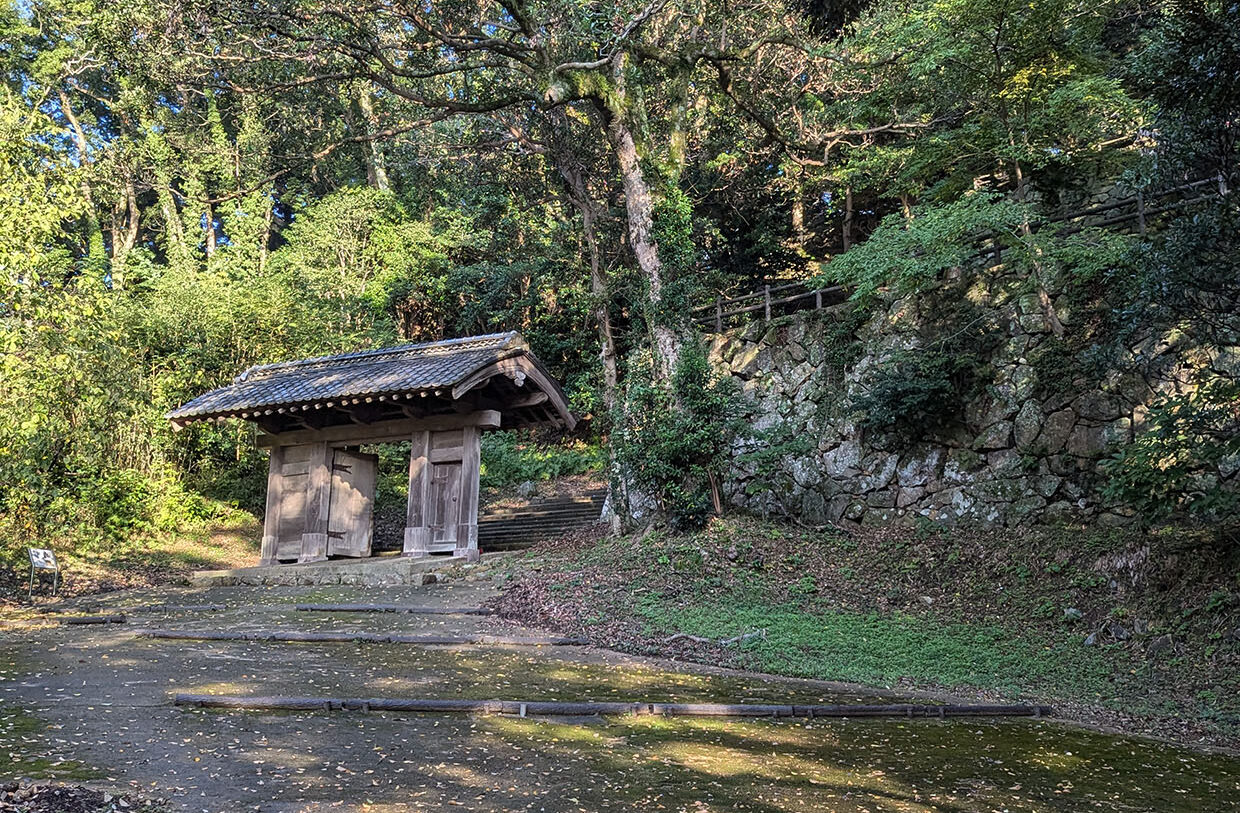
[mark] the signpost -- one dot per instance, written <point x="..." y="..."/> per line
<point x="43" y="559"/>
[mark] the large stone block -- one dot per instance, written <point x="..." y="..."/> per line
<point x="1024" y="506"/>
<point x="961" y="466"/>
<point x="909" y="496"/>
<point x="882" y="470"/>
<point x="919" y="469"/>
<point x="1056" y="430"/>
<point x="745" y="360"/>
<point x="798" y="378"/>
<point x="995" y="436"/>
<point x="1045" y="485"/>
<point x="1086" y="441"/>
<point x="805" y="473"/>
<point x="1027" y="426"/>
<point x="814" y="509"/>
<point x="843" y="461"/>
<point x="1097" y="407"/>
<point x="881" y="499"/>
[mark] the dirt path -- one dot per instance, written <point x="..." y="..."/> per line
<point x="94" y="702"/>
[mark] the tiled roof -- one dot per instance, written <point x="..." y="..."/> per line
<point x="390" y="370"/>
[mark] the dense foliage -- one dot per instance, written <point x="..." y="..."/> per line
<point x="185" y="192"/>
<point x="672" y="444"/>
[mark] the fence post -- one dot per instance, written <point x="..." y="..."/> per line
<point x="1141" y="212"/>
<point x="767" y="294"/>
<point x="817" y="299"/>
<point x="718" y="314"/>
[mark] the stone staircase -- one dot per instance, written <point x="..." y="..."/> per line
<point x="546" y="518"/>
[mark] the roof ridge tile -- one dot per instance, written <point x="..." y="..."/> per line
<point x="420" y="350"/>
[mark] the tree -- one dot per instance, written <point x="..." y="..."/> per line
<point x="637" y="74"/>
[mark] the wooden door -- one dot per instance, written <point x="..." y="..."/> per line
<point x="445" y="504"/>
<point x="294" y="488"/>
<point x="352" y="502"/>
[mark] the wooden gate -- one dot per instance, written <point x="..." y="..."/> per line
<point x="287" y="494"/>
<point x="443" y="492"/>
<point x="352" y="502"/>
<point x="320" y="492"/>
<point x="300" y="524"/>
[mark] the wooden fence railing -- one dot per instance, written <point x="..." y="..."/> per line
<point x="1137" y="211"/>
<point x="783" y="298"/>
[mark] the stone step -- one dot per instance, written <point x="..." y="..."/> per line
<point x="525" y="522"/>
<point x="535" y="512"/>
<point x="543" y="509"/>
<point x="374" y="571"/>
<point x="520" y="527"/>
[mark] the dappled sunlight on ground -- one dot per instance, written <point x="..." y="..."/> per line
<point x="97" y="699"/>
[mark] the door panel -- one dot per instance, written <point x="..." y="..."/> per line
<point x="294" y="488"/>
<point x="445" y="504"/>
<point x="349" y="526"/>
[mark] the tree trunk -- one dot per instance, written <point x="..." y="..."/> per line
<point x="209" y="217"/>
<point x="573" y="174"/>
<point x="264" y="245"/>
<point x="376" y="159"/>
<point x="602" y="312"/>
<point x="96" y="253"/>
<point x="639" y="207"/>
<point x="848" y="218"/>
<point x="125" y="222"/>
<point x="798" y="216"/>
<point x="174" y="236"/>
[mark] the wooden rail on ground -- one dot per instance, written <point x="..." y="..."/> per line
<point x="144" y="608"/>
<point x="83" y="620"/>
<point x="568" y="708"/>
<point x="391" y="608"/>
<point x="355" y="638"/>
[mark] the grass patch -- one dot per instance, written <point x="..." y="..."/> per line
<point x="1101" y="623"/>
<point x="145" y="559"/>
<point x="885" y="650"/>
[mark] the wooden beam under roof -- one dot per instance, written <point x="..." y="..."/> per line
<point x="395" y="430"/>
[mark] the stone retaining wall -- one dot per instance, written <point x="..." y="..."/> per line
<point x="1014" y="456"/>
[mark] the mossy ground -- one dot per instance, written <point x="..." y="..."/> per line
<point x="99" y="696"/>
<point x="984" y="613"/>
<point x="25" y="752"/>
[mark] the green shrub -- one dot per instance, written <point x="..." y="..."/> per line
<point x="121" y="502"/>
<point x="675" y="441"/>
<point x="919" y="391"/>
<point x="1175" y="464"/>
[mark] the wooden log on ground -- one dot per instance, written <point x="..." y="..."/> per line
<point x="354" y="637"/>
<point x="96" y="619"/>
<point x="180" y="608"/>
<point x="555" y="708"/>
<point x="391" y="608"/>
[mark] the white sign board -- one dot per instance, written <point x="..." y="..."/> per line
<point x="42" y="559"/>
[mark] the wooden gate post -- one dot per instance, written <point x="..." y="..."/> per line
<point x="318" y="504"/>
<point x="271" y="517"/>
<point x="471" y="465"/>
<point x="417" y="534"/>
